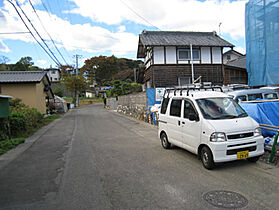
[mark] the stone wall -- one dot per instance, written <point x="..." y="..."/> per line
<point x="134" y="105"/>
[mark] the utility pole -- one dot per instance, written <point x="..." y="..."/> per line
<point x="192" y="65"/>
<point x="77" y="57"/>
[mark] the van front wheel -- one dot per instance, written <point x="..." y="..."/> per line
<point x="164" y="141"/>
<point x="207" y="158"/>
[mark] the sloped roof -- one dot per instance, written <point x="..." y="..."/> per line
<point x="179" y="38"/>
<point x="239" y="63"/>
<point x="21" y="76"/>
<point x="233" y="52"/>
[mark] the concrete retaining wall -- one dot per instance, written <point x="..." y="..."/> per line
<point x="134" y="105"/>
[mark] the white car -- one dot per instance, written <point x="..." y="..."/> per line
<point x="253" y="94"/>
<point x="210" y="124"/>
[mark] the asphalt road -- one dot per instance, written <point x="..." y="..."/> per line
<point x="93" y="158"/>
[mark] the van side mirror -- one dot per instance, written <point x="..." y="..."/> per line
<point x="193" y="117"/>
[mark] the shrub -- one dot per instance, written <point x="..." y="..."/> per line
<point x="18" y="123"/>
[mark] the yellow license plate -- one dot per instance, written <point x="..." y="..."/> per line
<point x="242" y="155"/>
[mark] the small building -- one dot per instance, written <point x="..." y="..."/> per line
<point x="53" y="74"/>
<point x="231" y="55"/>
<point x="167" y="57"/>
<point x="32" y="87"/>
<point x="235" y="71"/>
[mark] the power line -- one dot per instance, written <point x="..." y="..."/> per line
<point x="38" y="33"/>
<point x="32" y="33"/>
<point x="139" y="15"/>
<point x="47" y="32"/>
<point x="16" y="32"/>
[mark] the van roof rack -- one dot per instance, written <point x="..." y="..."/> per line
<point x="168" y="90"/>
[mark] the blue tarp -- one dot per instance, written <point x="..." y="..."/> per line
<point x="264" y="113"/>
<point x="262" y="42"/>
<point x="150" y="92"/>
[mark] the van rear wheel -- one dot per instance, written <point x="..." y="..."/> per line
<point x="207" y="158"/>
<point x="164" y="141"/>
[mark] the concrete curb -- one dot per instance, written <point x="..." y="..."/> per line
<point x="9" y="156"/>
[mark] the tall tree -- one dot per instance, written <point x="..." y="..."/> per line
<point x="76" y="84"/>
<point x="25" y="64"/>
<point x="100" y="68"/>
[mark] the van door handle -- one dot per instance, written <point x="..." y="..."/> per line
<point x="179" y="122"/>
<point x="183" y="123"/>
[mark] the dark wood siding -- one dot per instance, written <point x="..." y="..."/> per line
<point x="235" y="75"/>
<point x="167" y="75"/>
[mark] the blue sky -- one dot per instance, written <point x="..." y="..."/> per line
<point x="110" y="27"/>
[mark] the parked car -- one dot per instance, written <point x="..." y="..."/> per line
<point x="253" y="94"/>
<point x="210" y="124"/>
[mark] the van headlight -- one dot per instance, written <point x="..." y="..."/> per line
<point x="218" y="137"/>
<point x="257" y="132"/>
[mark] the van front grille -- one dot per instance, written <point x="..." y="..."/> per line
<point x="235" y="151"/>
<point x="240" y="135"/>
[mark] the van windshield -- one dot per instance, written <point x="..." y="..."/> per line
<point x="220" y="108"/>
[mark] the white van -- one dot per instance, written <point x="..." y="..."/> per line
<point x="253" y="94"/>
<point x="210" y="124"/>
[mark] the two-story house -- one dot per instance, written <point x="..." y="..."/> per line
<point x="53" y="74"/>
<point x="167" y="57"/>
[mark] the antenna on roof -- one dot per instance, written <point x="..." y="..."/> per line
<point x="220" y="28"/>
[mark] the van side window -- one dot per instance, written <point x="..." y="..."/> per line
<point x="270" y="96"/>
<point x="252" y="97"/>
<point x="241" y="98"/>
<point x="175" y="109"/>
<point x="188" y="109"/>
<point x="164" y="105"/>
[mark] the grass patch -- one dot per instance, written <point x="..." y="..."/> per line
<point x="51" y="118"/>
<point x="8" y="144"/>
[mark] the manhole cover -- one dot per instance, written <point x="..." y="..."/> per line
<point x="225" y="199"/>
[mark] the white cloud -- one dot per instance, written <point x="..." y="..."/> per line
<point x="78" y="36"/>
<point x="42" y="62"/>
<point x="3" y="47"/>
<point x="240" y="49"/>
<point x="187" y="15"/>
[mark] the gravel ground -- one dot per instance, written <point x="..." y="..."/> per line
<point x="265" y="159"/>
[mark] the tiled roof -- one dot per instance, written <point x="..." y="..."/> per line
<point x="21" y="76"/>
<point x="179" y="38"/>
<point x="240" y="62"/>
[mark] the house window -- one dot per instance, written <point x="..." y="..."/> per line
<point x="53" y="72"/>
<point x="228" y="57"/>
<point x="185" y="54"/>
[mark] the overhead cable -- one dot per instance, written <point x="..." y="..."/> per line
<point x="16" y="32"/>
<point x="47" y="32"/>
<point x="139" y="15"/>
<point x="38" y="33"/>
<point x="32" y="33"/>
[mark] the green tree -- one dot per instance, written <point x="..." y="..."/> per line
<point x="76" y="84"/>
<point x="25" y="64"/>
<point x="59" y="92"/>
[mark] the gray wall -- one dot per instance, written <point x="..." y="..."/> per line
<point x="134" y="105"/>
